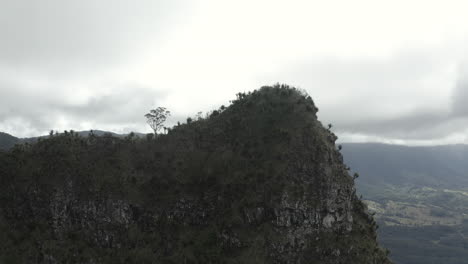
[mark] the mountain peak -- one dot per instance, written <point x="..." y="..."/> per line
<point x="259" y="181"/>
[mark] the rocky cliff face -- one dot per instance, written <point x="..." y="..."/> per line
<point x="257" y="182"/>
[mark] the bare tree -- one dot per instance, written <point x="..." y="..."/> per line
<point x="156" y="118"/>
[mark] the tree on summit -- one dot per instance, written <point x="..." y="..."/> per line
<point x="156" y="118"/>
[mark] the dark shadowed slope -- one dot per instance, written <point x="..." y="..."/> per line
<point x="257" y="182"/>
<point x="7" y="141"/>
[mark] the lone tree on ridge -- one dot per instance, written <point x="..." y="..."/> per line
<point x="156" y="118"/>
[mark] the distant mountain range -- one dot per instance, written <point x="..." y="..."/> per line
<point x="419" y="196"/>
<point x="7" y="141"/>
<point x="442" y="166"/>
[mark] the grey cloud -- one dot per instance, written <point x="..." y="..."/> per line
<point x="359" y="74"/>
<point x="80" y="34"/>
<point x="418" y="125"/>
<point x="460" y="97"/>
<point x="124" y="105"/>
<point x="51" y="49"/>
<point x="422" y="124"/>
<point x="361" y="87"/>
<point x="24" y="112"/>
<point x="22" y="105"/>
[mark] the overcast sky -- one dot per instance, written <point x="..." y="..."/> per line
<point x="387" y="71"/>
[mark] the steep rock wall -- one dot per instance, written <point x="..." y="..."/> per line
<point x="258" y="182"/>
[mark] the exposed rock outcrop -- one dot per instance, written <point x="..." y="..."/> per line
<point x="258" y="182"/>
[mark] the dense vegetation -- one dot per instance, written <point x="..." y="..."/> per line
<point x="259" y="181"/>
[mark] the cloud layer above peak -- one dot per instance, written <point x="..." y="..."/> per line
<point x="378" y="70"/>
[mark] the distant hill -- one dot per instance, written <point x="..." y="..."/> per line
<point x="433" y="166"/>
<point x="420" y="197"/>
<point x="7" y="141"/>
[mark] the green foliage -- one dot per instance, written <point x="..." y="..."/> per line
<point x="209" y="191"/>
<point x="156" y="118"/>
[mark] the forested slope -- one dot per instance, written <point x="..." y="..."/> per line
<point x="259" y="181"/>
